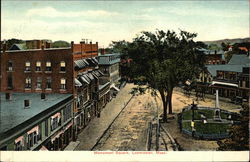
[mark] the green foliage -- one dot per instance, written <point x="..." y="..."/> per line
<point x="187" y="115"/>
<point x="12" y="41"/>
<point x="211" y="128"/>
<point x="187" y="125"/>
<point x="60" y="43"/>
<point x="239" y="139"/>
<point x="214" y="47"/>
<point x="163" y="59"/>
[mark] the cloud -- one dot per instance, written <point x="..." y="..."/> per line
<point x="53" y="13"/>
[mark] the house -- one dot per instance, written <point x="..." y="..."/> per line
<point x="30" y="121"/>
<point x="213" y="56"/>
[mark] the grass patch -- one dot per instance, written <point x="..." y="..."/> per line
<point x="187" y="115"/>
<point x="212" y="128"/>
<point x="187" y="126"/>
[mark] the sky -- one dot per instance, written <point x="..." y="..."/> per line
<point x="106" y="21"/>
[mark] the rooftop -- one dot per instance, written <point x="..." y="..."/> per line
<point x="239" y="59"/>
<point x="13" y="113"/>
<point x="109" y="59"/>
<point x="236" y="64"/>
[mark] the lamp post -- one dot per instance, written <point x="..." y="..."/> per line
<point x="193" y="107"/>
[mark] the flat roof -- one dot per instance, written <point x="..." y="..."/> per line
<point x="13" y="113"/>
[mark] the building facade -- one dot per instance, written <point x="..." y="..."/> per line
<point x="109" y="66"/>
<point x="230" y="79"/>
<point x="46" y="71"/>
<point x="37" y="122"/>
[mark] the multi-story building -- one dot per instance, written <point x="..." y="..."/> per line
<point x="109" y="65"/>
<point x="213" y="56"/>
<point x="72" y="70"/>
<point x="30" y="121"/>
<point x="227" y="78"/>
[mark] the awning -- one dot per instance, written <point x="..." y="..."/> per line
<point x="77" y="83"/>
<point x="95" y="60"/>
<point x="100" y="72"/>
<point x="224" y="83"/>
<point x="95" y="75"/>
<point x="113" y="86"/>
<point x="84" y="79"/>
<point x="35" y="129"/>
<point x="80" y="64"/>
<point x="90" y="76"/>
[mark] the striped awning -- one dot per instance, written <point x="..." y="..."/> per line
<point x="77" y="83"/>
<point x="84" y="79"/>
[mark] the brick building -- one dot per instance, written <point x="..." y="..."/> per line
<point x="213" y="56"/>
<point x="72" y="70"/>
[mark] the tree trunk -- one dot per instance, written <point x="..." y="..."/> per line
<point x="163" y="98"/>
<point x="170" y="111"/>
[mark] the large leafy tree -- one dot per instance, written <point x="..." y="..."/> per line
<point x="162" y="60"/>
<point x="239" y="132"/>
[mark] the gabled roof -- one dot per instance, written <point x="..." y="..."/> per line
<point x="236" y="64"/>
<point x="213" y="68"/>
<point x="239" y="59"/>
<point x="19" y="46"/>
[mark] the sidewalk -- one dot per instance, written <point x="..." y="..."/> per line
<point x="95" y="129"/>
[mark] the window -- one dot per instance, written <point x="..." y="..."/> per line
<point x="48" y="83"/>
<point x="67" y="113"/>
<point x="63" y="83"/>
<point x="18" y="146"/>
<point x="10" y="82"/>
<point x="48" y="66"/>
<point x="38" y="66"/>
<point x="27" y="66"/>
<point x="28" y="83"/>
<point x="63" y="66"/>
<point x="39" y="83"/>
<point x="32" y="139"/>
<point x="10" y="66"/>
<point x="46" y="128"/>
<point x="55" y="121"/>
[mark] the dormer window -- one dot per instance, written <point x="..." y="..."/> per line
<point x="27" y="66"/>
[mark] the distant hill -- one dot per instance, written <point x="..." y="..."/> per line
<point x="60" y="43"/>
<point x="231" y="41"/>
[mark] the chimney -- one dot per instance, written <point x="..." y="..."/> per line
<point x="90" y="42"/>
<point x="102" y="51"/>
<point x="42" y="46"/>
<point x="7" y="96"/>
<point x="26" y="103"/>
<point x="72" y="44"/>
<point x="217" y="99"/>
<point x="43" y="96"/>
<point x="97" y="44"/>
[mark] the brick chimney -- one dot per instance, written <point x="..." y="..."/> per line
<point x="102" y="51"/>
<point x="4" y="47"/>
